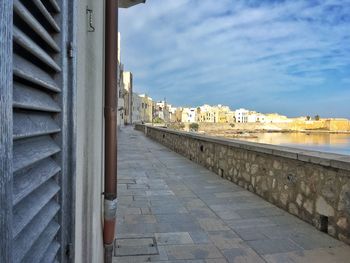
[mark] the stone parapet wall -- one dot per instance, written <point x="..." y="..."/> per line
<point x="313" y="186"/>
<point x="140" y="127"/>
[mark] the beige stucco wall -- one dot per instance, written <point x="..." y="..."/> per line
<point x="90" y="90"/>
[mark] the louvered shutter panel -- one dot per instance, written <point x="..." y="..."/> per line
<point x="37" y="129"/>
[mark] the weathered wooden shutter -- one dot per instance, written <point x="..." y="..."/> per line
<point x="40" y="137"/>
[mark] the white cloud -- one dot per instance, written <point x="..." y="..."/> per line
<point x="232" y="49"/>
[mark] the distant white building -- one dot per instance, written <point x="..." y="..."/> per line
<point x="172" y="112"/>
<point x="256" y="117"/>
<point x="189" y="115"/>
<point x="241" y="115"/>
<point x="162" y="110"/>
<point x="192" y="115"/>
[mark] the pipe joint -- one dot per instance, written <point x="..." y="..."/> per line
<point x="110" y="209"/>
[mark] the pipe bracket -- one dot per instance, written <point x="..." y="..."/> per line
<point x="110" y="209"/>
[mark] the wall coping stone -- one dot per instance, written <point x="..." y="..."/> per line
<point x="338" y="161"/>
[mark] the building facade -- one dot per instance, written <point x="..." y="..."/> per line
<point x="241" y="115"/>
<point x="128" y="95"/>
<point x="136" y="108"/>
<point x="177" y="116"/>
<point x="205" y="113"/>
<point x="189" y="115"/>
<point x="163" y="111"/>
<point x="146" y="111"/>
<point x="277" y="118"/>
<point x="53" y="154"/>
<point x="256" y="117"/>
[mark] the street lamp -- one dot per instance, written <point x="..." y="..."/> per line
<point x="129" y="3"/>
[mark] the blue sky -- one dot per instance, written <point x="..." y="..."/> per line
<point x="291" y="57"/>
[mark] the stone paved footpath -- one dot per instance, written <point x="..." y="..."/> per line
<point x="173" y="210"/>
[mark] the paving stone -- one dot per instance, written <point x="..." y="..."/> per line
<point x="126" y="181"/>
<point x="249" y="223"/>
<point x="138" y="219"/>
<point x="175" y="238"/>
<point x="159" y="192"/>
<point x="135" y="247"/>
<point x="202" y="212"/>
<point x="316" y="240"/>
<point x="216" y="260"/>
<point x="209" y="224"/>
<point x="129" y="211"/>
<point x="126" y="199"/>
<point x="168" y="210"/>
<point x="192" y="252"/>
<point x="145" y="210"/>
<point x="272" y="211"/>
<point x="200" y="237"/>
<point x="143" y="228"/>
<point x="272" y="246"/>
<point x="250" y="213"/>
<point x="228" y="215"/>
<point x="181" y="261"/>
<point x="224" y="239"/>
<point x="285" y="220"/>
<point x="194" y="203"/>
<point x="170" y="218"/>
<point x="322" y="255"/>
<point x="233" y="194"/>
<point x="242" y="255"/>
<point x="185" y="226"/>
<point x="160" y="257"/>
<point x="122" y="187"/>
<point x="139" y="203"/>
<point x="249" y="234"/>
<point x="137" y="186"/>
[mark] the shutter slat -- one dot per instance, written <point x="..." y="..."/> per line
<point x="51" y="252"/>
<point x="33" y="124"/>
<point x="30" y="20"/>
<point x="28" y="71"/>
<point x="26" y="210"/>
<point x="42" y="244"/>
<point x="30" y="151"/>
<point x="55" y="5"/>
<point x="47" y="15"/>
<point x="43" y="228"/>
<point x="29" y="45"/>
<point x="25" y="97"/>
<point x="29" y="179"/>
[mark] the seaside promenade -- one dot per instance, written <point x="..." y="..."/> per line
<point x="173" y="210"/>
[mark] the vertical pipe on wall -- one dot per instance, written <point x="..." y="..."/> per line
<point x="110" y="111"/>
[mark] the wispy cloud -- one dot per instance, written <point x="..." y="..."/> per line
<point x="242" y="53"/>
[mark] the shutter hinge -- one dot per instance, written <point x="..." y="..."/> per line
<point x="69" y="251"/>
<point x="70" y="50"/>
